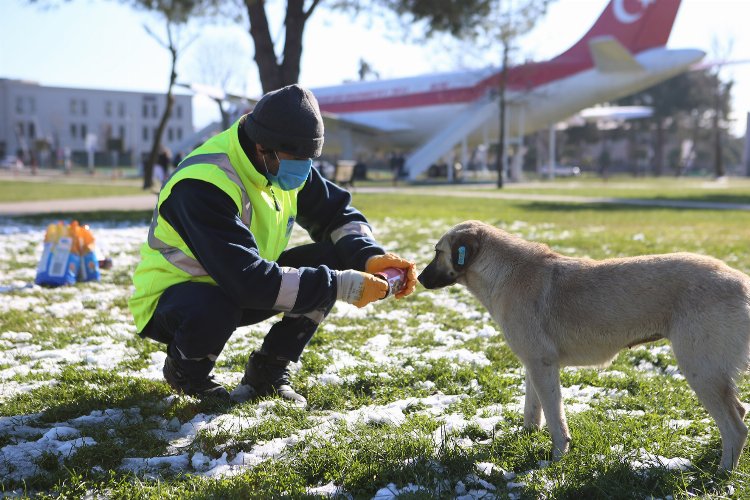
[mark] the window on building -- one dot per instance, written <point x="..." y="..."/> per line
<point x="73" y="130"/>
<point x="121" y="109"/>
<point x="179" y="134"/>
<point x="178" y="112"/>
<point x="170" y="134"/>
<point x="154" y="110"/>
<point x="84" y="131"/>
<point x="122" y="133"/>
<point x="73" y="107"/>
<point x="83" y="107"/>
<point x="32" y="105"/>
<point x="145" y="133"/>
<point x="19" y="129"/>
<point x="32" y="130"/>
<point x="145" y="110"/>
<point x="19" y="105"/>
<point x="108" y="108"/>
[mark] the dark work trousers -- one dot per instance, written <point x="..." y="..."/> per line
<point x="196" y="320"/>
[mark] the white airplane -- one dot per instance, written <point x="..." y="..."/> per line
<point x="428" y="116"/>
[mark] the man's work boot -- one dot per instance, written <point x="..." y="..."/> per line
<point x="267" y="375"/>
<point x="204" y="388"/>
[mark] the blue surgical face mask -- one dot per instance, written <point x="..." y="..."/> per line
<point x="292" y="173"/>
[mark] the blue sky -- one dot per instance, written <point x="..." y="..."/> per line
<point x="102" y="44"/>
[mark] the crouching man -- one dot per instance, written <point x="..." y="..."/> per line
<point x="216" y="258"/>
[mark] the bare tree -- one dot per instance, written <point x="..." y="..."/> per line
<point x="175" y="15"/>
<point x="222" y="64"/>
<point x="457" y="17"/>
<point x="720" y="100"/>
<point x="276" y="72"/>
<point x="173" y="27"/>
<point x="510" y="20"/>
<point x="501" y="154"/>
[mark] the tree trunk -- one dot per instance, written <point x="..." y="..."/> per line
<point x="501" y="135"/>
<point x="224" y="114"/>
<point x="148" y="168"/>
<point x="295" y="26"/>
<point x="718" y="158"/>
<point x="659" y="148"/>
<point x="274" y="74"/>
<point x="265" y="54"/>
<point x="686" y="162"/>
<point x="632" y="152"/>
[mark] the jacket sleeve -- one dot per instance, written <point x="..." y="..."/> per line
<point x="207" y="220"/>
<point x="324" y="210"/>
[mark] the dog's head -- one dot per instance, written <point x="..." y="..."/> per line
<point x="454" y="254"/>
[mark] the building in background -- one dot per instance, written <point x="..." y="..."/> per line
<point x="52" y="126"/>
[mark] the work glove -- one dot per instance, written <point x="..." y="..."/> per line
<point x="359" y="288"/>
<point x="377" y="263"/>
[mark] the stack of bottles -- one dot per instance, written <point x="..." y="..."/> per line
<point x="68" y="256"/>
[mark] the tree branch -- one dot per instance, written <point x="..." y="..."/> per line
<point x="306" y="15"/>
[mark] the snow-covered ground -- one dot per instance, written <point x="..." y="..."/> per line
<point x="104" y="327"/>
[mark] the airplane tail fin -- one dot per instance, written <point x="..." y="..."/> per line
<point x="624" y="29"/>
<point x="637" y="24"/>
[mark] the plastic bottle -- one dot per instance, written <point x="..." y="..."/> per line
<point x="60" y="231"/>
<point x="50" y="236"/>
<point x="63" y="263"/>
<point x="50" y="240"/>
<point x="89" y="270"/>
<point x="88" y="238"/>
<point x="395" y="277"/>
<point x="75" y="236"/>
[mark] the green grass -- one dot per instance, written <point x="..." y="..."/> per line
<point x="359" y="368"/>
<point x="736" y="190"/>
<point x="13" y="190"/>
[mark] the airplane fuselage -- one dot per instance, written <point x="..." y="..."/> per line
<point x="623" y="53"/>
<point x="417" y="108"/>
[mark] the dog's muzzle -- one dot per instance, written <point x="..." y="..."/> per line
<point x="431" y="277"/>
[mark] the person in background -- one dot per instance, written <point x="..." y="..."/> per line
<point x="177" y="159"/>
<point x="163" y="162"/>
<point x="216" y="255"/>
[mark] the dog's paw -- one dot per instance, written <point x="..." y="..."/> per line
<point x="532" y="426"/>
<point x="559" y="451"/>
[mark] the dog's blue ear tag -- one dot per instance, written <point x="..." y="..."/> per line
<point x="461" y="255"/>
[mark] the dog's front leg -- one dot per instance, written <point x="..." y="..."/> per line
<point x="545" y="377"/>
<point x="532" y="408"/>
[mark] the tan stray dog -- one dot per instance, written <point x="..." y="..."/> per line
<point x="560" y="311"/>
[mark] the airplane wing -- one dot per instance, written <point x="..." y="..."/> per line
<point x="611" y="56"/>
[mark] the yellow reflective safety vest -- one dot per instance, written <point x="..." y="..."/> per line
<point x="267" y="211"/>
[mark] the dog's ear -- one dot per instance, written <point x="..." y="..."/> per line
<point x="463" y="250"/>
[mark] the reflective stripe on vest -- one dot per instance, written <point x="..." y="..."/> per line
<point x="288" y="290"/>
<point x="351" y="228"/>
<point x="174" y="255"/>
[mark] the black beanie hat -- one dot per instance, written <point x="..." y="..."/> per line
<point x="287" y="120"/>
